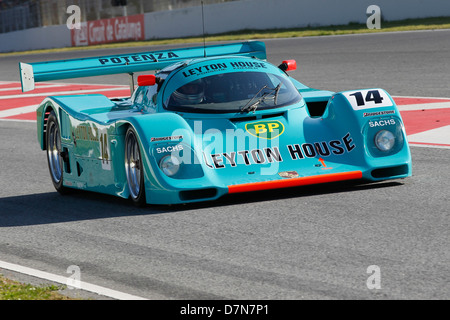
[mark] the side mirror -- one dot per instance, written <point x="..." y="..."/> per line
<point x="288" y="65"/>
<point x="146" y="80"/>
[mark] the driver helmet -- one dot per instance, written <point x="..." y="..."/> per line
<point x="191" y="93"/>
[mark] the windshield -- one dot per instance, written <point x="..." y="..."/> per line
<point x="237" y="91"/>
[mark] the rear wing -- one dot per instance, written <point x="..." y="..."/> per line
<point x="30" y="73"/>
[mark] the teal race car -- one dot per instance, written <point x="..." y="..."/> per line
<point x="211" y="121"/>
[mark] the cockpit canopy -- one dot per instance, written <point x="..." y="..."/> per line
<point x="231" y="85"/>
<point x="225" y="85"/>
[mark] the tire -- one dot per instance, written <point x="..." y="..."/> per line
<point x="134" y="168"/>
<point x="54" y="157"/>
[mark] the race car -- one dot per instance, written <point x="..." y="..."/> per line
<point x="208" y="121"/>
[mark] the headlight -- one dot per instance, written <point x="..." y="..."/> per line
<point x="170" y="165"/>
<point x="385" y="140"/>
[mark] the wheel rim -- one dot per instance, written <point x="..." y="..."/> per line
<point x="133" y="165"/>
<point x="53" y="152"/>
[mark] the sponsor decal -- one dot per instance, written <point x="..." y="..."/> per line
<point x="247" y="157"/>
<point x="265" y="129"/>
<point x="167" y="149"/>
<point x="322" y="149"/>
<point x="323" y="165"/>
<point x="170" y="138"/>
<point x="382" y="123"/>
<point x="205" y="69"/>
<point x="273" y="155"/>
<point x="154" y="57"/>
<point x="379" y="113"/>
<point x="90" y="135"/>
<point x="247" y="65"/>
<point x="202" y="70"/>
<point x="85" y="132"/>
<point x="288" y="174"/>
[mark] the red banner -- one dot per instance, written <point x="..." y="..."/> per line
<point x="109" y="30"/>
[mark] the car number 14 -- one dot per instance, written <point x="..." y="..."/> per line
<point x="366" y="99"/>
<point x="104" y="151"/>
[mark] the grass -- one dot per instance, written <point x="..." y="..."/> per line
<point x="13" y="290"/>
<point x="351" y="28"/>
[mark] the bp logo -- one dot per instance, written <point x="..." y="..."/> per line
<point x="265" y="129"/>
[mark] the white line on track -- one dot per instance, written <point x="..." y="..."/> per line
<point x="63" y="280"/>
<point x="40" y="84"/>
<point x="424" y="106"/>
<point x="18" y="120"/>
<point x="17" y="111"/>
<point x="38" y="87"/>
<point x="428" y="98"/>
<point x="437" y="136"/>
<point x="412" y="144"/>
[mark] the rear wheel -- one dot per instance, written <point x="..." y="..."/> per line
<point x="54" y="155"/>
<point x="134" y="169"/>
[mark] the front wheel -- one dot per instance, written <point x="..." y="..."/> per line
<point x="134" y="168"/>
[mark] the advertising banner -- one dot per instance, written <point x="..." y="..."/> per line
<point x="109" y="30"/>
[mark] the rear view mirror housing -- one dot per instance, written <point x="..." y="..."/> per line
<point x="288" y="65"/>
<point x="146" y="80"/>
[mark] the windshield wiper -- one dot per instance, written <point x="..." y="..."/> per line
<point x="248" y="107"/>
<point x="252" y="107"/>
<point x="277" y="91"/>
